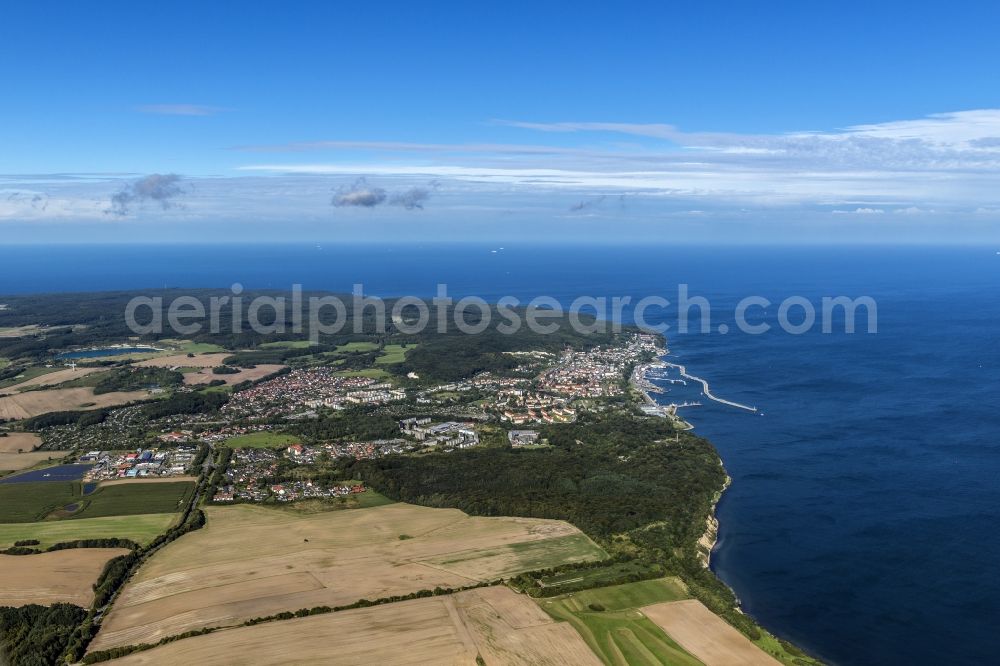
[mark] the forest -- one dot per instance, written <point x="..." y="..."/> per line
<point x="37" y="635"/>
<point x="92" y="319"/>
<point x="605" y="475"/>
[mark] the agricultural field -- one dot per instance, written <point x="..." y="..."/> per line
<point x="19" y="441"/>
<point x="184" y="361"/>
<point x="81" y="378"/>
<point x="261" y="440"/>
<point x="205" y="375"/>
<point x="51" y="377"/>
<point x="35" y="403"/>
<point x="31" y="501"/>
<point x="250" y="561"/>
<point x="134" y="498"/>
<point x="611" y="574"/>
<point x="374" y="373"/>
<point x="352" y="347"/>
<point x="139" y="528"/>
<point x="48" y="578"/>
<point x="706" y="635"/>
<point x="610" y="622"/>
<point x="527" y="556"/>
<point x="15" y="462"/>
<point x="494" y="624"/>
<point x="393" y="354"/>
<point x="286" y="344"/>
<point x="19" y="331"/>
<point x="37" y="500"/>
<point x="509" y="628"/>
<point x="177" y="346"/>
<point x="29" y="374"/>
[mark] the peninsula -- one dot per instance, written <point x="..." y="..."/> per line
<point x="489" y="498"/>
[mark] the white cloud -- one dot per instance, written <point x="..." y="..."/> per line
<point x="947" y="129"/>
<point x="932" y="168"/>
<point x="860" y="211"/>
<point x="949" y="158"/>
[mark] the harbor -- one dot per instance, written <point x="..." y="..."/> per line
<point x="642" y="379"/>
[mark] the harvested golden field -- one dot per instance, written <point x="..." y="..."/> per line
<point x="19" y="441"/>
<point x="50" y="379"/>
<point x="245" y="374"/>
<point x="705" y="635"/>
<point x="14" y="462"/>
<point x="510" y="628"/>
<point x="147" y="480"/>
<point x="184" y="361"/>
<point x="495" y="623"/>
<point x="34" y="403"/>
<point x="251" y="561"/>
<point x="48" y="578"/>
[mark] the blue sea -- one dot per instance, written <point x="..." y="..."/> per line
<point x="861" y="521"/>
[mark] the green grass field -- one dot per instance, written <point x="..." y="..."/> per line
<point x="619" y="634"/>
<point x="135" y="499"/>
<point x="139" y="528"/>
<point x="29" y="373"/>
<point x="598" y="576"/>
<point x="357" y="347"/>
<point x="393" y="354"/>
<point x="374" y="373"/>
<point x="4" y="362"/>
<point x="35" y="501"/>
<point x="286" y="344"/>
<point x="188" y="347"/>
<point x="261" y="440"/>
<point x="86" y="381"/>
<point x="29" y="502"/>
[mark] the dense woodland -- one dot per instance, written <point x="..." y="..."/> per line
<point x="606" y="476"/>
<point x="37" y="635"/>
<point x="84" y="320"/>
<point x="135" y="379"/>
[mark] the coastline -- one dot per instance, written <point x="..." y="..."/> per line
<point x="705" y="545"/>
<point x="646" y="388"/>
<point x="707" y="541"/>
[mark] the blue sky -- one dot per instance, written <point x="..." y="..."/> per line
<point x="763" y="122"/>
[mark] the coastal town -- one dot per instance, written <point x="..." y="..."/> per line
<point x="562" y="387"/>
<point x="310" y="389"/>
<point x="365" y="427"/>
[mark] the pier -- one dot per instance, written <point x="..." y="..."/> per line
<point x="707" y="391"/>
